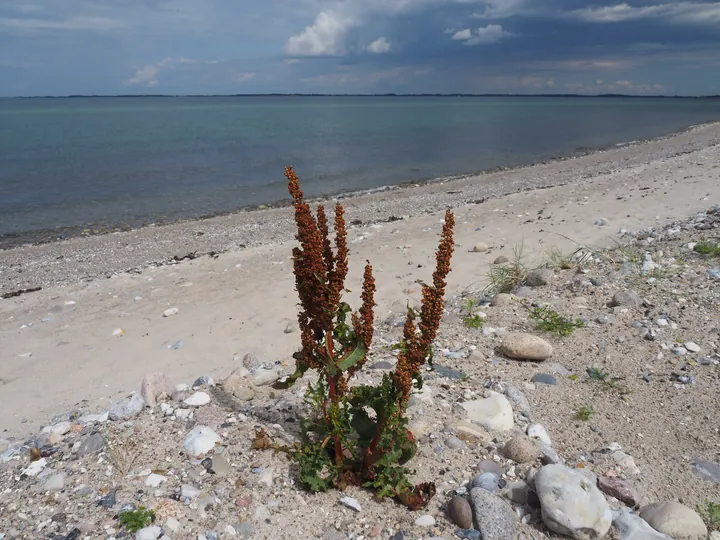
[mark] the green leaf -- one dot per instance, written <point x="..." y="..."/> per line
<point x="362" y="424"/>
<point x="300" y="370"/>
<point x="353" y="357"/>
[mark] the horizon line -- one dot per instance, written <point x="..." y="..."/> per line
<point x="388" y="94"/>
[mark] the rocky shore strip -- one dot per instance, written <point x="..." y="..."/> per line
<point x="582" y="403"/>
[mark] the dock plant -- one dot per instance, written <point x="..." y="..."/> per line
<point x="356" y="434"/>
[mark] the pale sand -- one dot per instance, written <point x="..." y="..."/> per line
<point x="243" y="300"/>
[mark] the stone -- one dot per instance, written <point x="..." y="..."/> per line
<point x="149" y="533"/>
<point x="521" y="449"/>
<point x="425" y="521"/>
<point x="200" y="440"/>
<point x="494" y="412"/>
<point x="56" y="482"/>
<point x="189" y="492"/>
<point x="244" y="529"/>
<point x="539" y="277"/>
<point x="538" y="431"/>
<point x="468" y="534"/>
<point x="548" y="455"/>
<point x="625" y="298"/>
<point x="92" y="444"/>
<point x="571" y="503"/>
<point x="251" y="362"/>
<point x="127" y="407"/>
<point x="502" y="259"/>
<point x="468" y="429"/>
<point x="235" y="386"/>
<point x="263" y="377"/>
<point x="706" y="470"/>
<point x="204" y="380"/>
<point x="494" y="518"/>
<point x="454" y="443"/>
<point x="543" y="378"/>
<point x="518" y="399"/>
<point x="170" y="312"/>
<point x="517" y="492"/>
<point x="692" y="346"/>
<point x="625" y="462"/>
<point x="674" y="519"/>
<point x="61" y="428"/>
<point x="480" y="247"/>
<point x="521" y="346"/>
<point x="502" y="299"/>
<point x="630" y="526"/>
<point x="109" y="500"/>
<point x="489" y="481"/>
<point x="620" y="489"/>
<point x="350" y="502"/>
<point x="460" y="513"/>
<point x="154" y="384"/>
<point x="490" y="466"/>
<point x="197" y="399"/>
<point x="154" y="480"/>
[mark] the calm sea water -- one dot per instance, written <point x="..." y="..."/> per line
<point x="130" y="161"/>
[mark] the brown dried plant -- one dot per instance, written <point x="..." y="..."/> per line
<point x="344" y="444"/>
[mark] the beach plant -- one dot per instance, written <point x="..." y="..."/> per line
<point x="505" y="277"/>
<point x="710" y="512"/>
<point x="707" y="248"/>
<point x="469" y="318"/>
<point x="356" y="435"/>
<point x="549" y="320"/>
<point x="584" y="413"/>
<point x="134" y="520"/>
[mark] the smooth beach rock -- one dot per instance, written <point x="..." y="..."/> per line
<point x="149" y="533"/>
<point x="521" y="346"/>
<point x="517" y="492"/>
<point x="480" y="247"/>
<point x="468" y="429"/>
<point x="521" y="449"/>
<point x="263" y="377"/>
<point x="706" y="469"/>
<point x="502" y="259"/>
<point x="154" y="384"/>
<point x="489" y="481"/>
<point x="236" y="386"/>
<point x="460" y="513"/>
<point x="571" y="503"/>
<point x="538" y="431"/>
<point x="92" y="444"/>
<point x="674" y="519"/>
<point x="56" y="482"/>
<point x="197" y="399"/>
<point x="630" y="526"/>
<point x="621" y="489"/>
<point x="126" y="408"/>
<point x="625" y="298"/>
<point x="494" y="517"/>
<point x="539" y="277"/>
<point x="502" y="299"/>
<point x="200" y="440"/>
<point x="494" y="412"/>
<point x="170" y="312"/>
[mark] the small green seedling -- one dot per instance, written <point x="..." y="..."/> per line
<point x="710" y="512"/>
<point x="584" y="413"/>
<point x="707" y="248"/>
<point x="551" y="321"/>
<point x="470" y="319"/>
<point x="134" y="520"/>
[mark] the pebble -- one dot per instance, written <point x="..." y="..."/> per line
<point x="126" y="408"/>
<point x="521" y="449"/>
<point x="197" y="399"/>
<point x="189" y="492"/>
<point x="468" y="534"/>
<point x="56" y="482"/>
<point x="544" y="378"/>
<point x="603" y="319"/>
<point x="200" y="440"/>
<point x="170" y="312"/>
<point x="494" y="517"/>
<point x="153" y="385"/>
<point x="692" y="346"/>
<point x="235" y="385"/>
<point x="425" y="521"/>
<point x="489" y="481"/>
<point x="204" y="380"/>
<point x="460" y="512"/>
<point x="494" y="412"/>
<point x="454" y="443"/>
<point x="626" y="462"/>
<point x="571" y="503"/>
<point x="92" y="444"/>
<point x="350" y="503"/>
<point x="263" y="377"/>
<point x="706" y="470"/>
<point x="149" y="533"/>
<point x="620" y="489"/>
<point x="539" y="277"/>
<point x="626" y="298"/>
<point x="674" y="519"/>
<point x="490" y="466"/>
<point x="538" y="431"/>
<point x="502" y="299"/>
<point x="154" y="480"/>
<point x="502" y="259"/>
<point x="517" y="492"/>
<point x="109" y="500"/>
<point x="480" y="247"/>
<point x="630" y="526"/>
<point x="521" y="346"/>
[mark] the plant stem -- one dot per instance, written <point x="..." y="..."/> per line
<point x="333" y="395"/>
<point x="370" y="451"/>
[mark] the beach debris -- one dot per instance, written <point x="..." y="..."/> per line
<point x="118" y="332"/>
<point x="19" y="292"/>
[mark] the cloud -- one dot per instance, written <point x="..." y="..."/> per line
<point x="243" y="77"/>
<point x="617" y="87"/>
<point x="72" y="23"/>
<point x="707" y="13"/>
<point x="325" y="37"/>
<point x="500" y="9"/>
<point x="379" y="46"/>
<point x="492" y="33"/>
<point x="148" y="75"/>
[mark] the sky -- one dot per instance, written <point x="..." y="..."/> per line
<point x="65" y="47"/>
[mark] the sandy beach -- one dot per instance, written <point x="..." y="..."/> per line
<point x="58" y="345"/>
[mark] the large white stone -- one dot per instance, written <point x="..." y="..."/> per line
<point x="263" y="377"/>
<point x="149" y="533"/>
<point x="201" y="440"/>
<point x="526" y="347"/>
<point x="674" y="519"/>
<point x="197" y="399"/>
<point x="494" y="412"/>
<point x="571" y="503"/>
<point x="630" y="526"/>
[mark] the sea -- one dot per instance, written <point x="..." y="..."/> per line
<point x="74" y="164"/>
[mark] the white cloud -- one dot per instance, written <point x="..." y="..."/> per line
<point x="617" y="87"/>
<point x="326" y="37"/>
<point x="492" y="33"/>
<point x="499" y="9"/>
<point x="379" y="46"/>
<point x="537" y="82"/>
<point x="243" y="77"/>
<point x="73" y="23"/>
<point x="148" y="75"/>
<point x="680" y="12"/>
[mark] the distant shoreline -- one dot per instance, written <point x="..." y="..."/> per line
<point x="590" y="96"/>
<point x="46" y="236"/>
